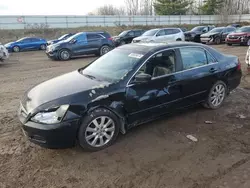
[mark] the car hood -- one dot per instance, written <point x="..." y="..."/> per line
<point x="143" y="38"/>
<point x="191" y="32"/>
<point x="53" y="41"/>
<point x="209" y="34"/>
<point x="61" y="90"/>
<point x="238" y="34"/>
<point x="9" y="44"/>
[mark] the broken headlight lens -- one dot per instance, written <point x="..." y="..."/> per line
<point x="52" y="116"/>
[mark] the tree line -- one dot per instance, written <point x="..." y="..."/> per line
<point x="176" y="7"/>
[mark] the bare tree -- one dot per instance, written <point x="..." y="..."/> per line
<point x="132" y="7"/>
<point x="110" y="10"/>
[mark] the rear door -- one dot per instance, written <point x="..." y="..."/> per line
<point x="35" y="43"/>
<point x="199" y="73"/>
<point x="94" y="42"/>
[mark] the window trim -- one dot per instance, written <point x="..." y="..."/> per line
<point x="173" y="48"/>
<point x="102" y="37"/>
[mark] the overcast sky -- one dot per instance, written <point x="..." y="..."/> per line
<point x="52" y="7"/>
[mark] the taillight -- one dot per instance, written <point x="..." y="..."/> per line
<point x="239" y="65"/>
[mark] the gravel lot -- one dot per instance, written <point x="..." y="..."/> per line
<point x="153" y="155"/>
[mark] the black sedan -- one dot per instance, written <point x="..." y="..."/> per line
<point x="128" y="86"/>
<point x="217" y="35"/>
<point x="126" y="37"/>
<point x="196" y="32"/>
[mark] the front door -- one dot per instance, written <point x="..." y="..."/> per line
<point x="160" y="36"/>
<point x="80" y="46"/>
<point x="160" y="94"/>
<point x="199" y="73"/>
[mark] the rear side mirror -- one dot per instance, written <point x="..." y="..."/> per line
<point x="142" y="78"/>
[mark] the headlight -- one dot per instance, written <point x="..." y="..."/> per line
<point x="52" y="116"/>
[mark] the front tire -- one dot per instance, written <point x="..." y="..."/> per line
<point x="178" y="39"/>
<point x="16" y="49"/>
<point x="217" y="40"/>
<point x="229" y="44"/>
<point x="98" y="130"/>
<point x="64" y="55"/>
<point x="216" y="95"/>
<point x="43" y="47"/>
<point x="122" y="42"/>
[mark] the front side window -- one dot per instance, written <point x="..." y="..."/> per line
<point x="81" y="38"/>
<point x="160" y="33"/>
<point x="193" y="57"/>
<point x="161" y="64"/>
<point x="137" y="33"/>
<point x="131" y="33"/>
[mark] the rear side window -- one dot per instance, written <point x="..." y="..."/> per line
<point x="138" y="33"/>
<point x="175" y="31"/>
<point x="193" y="57"/>
<point x="94" y="36"/>
<point x="230" y="29"/>
<point x="35" y="40"/>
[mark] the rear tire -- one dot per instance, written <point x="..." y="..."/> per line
<point x="216" y="95"/>
<point x="98" y="130"/>
<point x="64" y="55"/>
<point x="104" y="49"/>
<point x="178" y="39"/>
<point x="16" y="49"/>
<point x="122" y="42"/>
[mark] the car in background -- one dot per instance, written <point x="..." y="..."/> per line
<point x="83" y="43"/>
<point x="126" y="87"/>
<point x="235" y="25"/>
<point x="217" y="35"/>
<point x="63" y="37"/>
<point x="184" y="29"/>
<point x="4" y="54"/>
<point x="161" y="35"/>
<point x="240" y="36"/>
<point x="196" y="32"/>
<point x="126" y="37"/>
<point x="27" y="43"/>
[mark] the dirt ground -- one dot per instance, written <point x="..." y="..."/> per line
<point x="154" y="155"/>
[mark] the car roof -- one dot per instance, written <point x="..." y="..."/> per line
<point x="147" y="47"/>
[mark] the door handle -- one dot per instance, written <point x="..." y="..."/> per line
<point x="212" y="70"/>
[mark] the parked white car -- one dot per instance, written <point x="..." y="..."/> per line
<point x="4" y="54"/>
<point x="161" y="35"/>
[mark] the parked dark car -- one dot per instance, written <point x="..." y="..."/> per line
<point x="83" y="43"/>
<point x="217" y="35"/>
<point x="126" y="37"/>
<point x="196" y="32"/>
<point x="234" y="25"/>
<point x="128" y="86"/>
<point x="63" y="37"/>
<point x="240" y="36"/>
<point x="27" y="43"/>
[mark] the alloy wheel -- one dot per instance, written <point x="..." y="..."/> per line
<point x="100" y="131"/>
<point x="218" y="95"/>
<point x="16" y="49"/>
<point x="104" y="50"/>
<point x="65" y="55"/>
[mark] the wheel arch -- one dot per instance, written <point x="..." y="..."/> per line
<point x="116" y="108"/>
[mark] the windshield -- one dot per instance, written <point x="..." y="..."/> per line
<point x="123" y="33"/>
<point x="199" y="28"/>
<point x="215" y="30"/>
<point x="243" y="29"/>
<point x="62" y="37"/>
<point x="113" y="66"/>
<point x="73" y="37"/>
<point x="21" y="39"/>
<point x="150" y="32"/>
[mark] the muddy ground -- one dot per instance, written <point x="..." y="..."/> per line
<point x="154" y="155"/>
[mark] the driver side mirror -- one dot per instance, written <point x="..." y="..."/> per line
<point x="73" y="41"/>
<point x="142" y="78"/>
<point x="204" y="30"/>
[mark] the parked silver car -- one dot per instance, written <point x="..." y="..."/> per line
<point x="4" y="54"/>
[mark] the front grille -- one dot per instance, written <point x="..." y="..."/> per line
<point x="233" y="37"/>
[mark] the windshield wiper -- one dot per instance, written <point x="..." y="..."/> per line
<point x="89" y="76"/>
